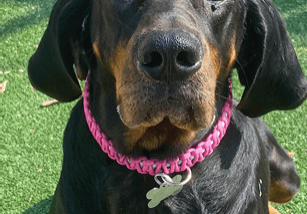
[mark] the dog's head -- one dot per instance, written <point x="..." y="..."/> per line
<point x="162" y="66"/>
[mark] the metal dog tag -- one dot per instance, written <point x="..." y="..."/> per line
<point x="156" y="195"/>
<point x="170" y="186"/>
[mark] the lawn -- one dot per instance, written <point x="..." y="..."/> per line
<point x="31" y="135"/>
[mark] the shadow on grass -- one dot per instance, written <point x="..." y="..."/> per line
<point x="41" y="207"/>
<point x="41" y="11"/>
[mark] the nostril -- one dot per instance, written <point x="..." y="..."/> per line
<point x="187" y="62"/>
<point x="152" y="59"/>
<point x="151" y="63"/>
<point x="186" y="58"/>
<point x="169" y="55"/>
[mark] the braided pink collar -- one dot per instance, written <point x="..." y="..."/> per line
<point x="154" y="166"/>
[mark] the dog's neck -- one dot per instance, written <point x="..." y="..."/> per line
<point x="143" y="165"/>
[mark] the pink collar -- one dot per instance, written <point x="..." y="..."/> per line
<point x="154" y="166"/>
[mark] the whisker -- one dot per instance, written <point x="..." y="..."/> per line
<point x="88" y="51"/>
<point x="125" y="25"/>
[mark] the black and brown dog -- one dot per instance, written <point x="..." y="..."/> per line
<point x="158" y="79"/>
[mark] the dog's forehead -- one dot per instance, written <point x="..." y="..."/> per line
<point x="127" y="9"/>
<point x="125" y="17"/>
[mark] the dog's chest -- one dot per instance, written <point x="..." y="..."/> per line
<point x="208" y="192"/>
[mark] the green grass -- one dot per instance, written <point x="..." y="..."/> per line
<point x="31" y="136"/>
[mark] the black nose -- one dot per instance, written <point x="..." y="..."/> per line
<point x="169" y="55"/>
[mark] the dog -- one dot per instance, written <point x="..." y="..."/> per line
<point x="158" y="87"/>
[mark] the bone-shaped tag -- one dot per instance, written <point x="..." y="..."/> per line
<point x="156" y="195"/>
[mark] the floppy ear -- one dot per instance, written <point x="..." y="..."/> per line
<point x="267" y="64"/>
<point x="64" y="43"/>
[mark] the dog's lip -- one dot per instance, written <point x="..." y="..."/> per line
<point x="182" y="117"/>
<point x="178" y="102"/>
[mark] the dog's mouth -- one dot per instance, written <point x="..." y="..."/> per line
<point x="182" y="105"/>
<point x="176" y="112"/>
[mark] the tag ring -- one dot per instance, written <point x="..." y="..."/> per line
<point x="167" y="180"/>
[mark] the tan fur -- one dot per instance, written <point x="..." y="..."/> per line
<point x="279" y="192"/>
<point x="232" y="56"/>
<point x="151" y="138"/>
<point x="116" y="64"/>
<point x="96" y="50"/>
